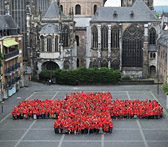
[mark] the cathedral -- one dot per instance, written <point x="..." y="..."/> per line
<point x="69" y="34"/>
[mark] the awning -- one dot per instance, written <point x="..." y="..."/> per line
<point x="8" y="43"/>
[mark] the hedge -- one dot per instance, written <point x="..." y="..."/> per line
<point x="165" y="88"/>
<point x="82" y="76"/>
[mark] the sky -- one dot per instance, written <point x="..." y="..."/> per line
<point x="118" y="3"/>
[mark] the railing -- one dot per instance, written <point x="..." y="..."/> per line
<point x="12" y="68"/>
<point x="12" y="54"/>
<point x="13" y="81"/>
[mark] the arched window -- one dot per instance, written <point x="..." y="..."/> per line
<point x="66" y="65"/>
<point x="50" y="65"/>
<point x="152" y="36"/>
<point x="65" y="36"/>
<point x="49" y="44"/>
<point x="104" y="63"/>
<point x="94" y="37"/>
<point x="77" y="62"/>
<point x="42" y="43"/>
<point x="95" y="8"/>
<point x="132" y="55"/>
<point x="61" y="7"/>
<point x="56" y="43"/>
<point x="77" y="9"/>
<point x="115" y="64"/>
<point x="104" y="37"/>
<point x="77" y="39"/>
<point x="115" y="37"/>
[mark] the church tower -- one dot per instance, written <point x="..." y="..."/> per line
<point x="81" y="7"/>
<point x="129" y="3"/>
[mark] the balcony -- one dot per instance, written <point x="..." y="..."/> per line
<point x="12" y="54"/>
<point x="12" y="82"/>
<point x="13" y="69"/>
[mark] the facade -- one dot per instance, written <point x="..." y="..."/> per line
<point x="163" y="57"/>
<point x="12" y="63"/>
<point x="124" y="40"/>
<point x="57" y="45"/>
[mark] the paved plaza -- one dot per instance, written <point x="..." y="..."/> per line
<point x="126" y="132"/>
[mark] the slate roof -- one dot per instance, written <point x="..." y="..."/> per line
<point x="49" y="29"/>
<point x="152" y="48"/>
<point x="163" y="40"/>
<point x="7" y="22"/>
<point x="165" y="14"/>
<point x="141" y="12"/>
<point x="53" y="11"/>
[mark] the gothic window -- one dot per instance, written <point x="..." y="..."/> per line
<point x="77" y="9"/>
<point x="104" y="37"/>
<point x="66" y="65"/>
<point x="61" y="7"/>
<point x="42" y="43"/>
<point x="104" y="63"/>
<point x="77" y="39"/>
<point x="65" y="36"/>
<point x="152" y="36"/>
<point x="95" y="8"/>
<point x="132" y="55"/>
<point x="94" y="37"/>
<point x="49" y="44"/>
<point x="115" y="64"/>
<point x="115" y="37"/>
<point x="56" y="43"/>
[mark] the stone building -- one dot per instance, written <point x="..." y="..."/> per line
<point x="55" y="38"/>
<point x="163" y="57"/>
<point x="124" y="39"/>
<point x="129" y="3"/>
<point x="12" y="63"/>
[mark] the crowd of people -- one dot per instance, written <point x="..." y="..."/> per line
<point x="86" y="112"/>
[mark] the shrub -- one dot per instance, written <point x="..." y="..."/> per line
<point x="83" y="76"/>
<point x="165" y="88"/>
<point x="126" y="77"/>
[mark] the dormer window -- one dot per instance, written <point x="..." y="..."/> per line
<point x="132" y="14"/>
<point x="115" y="14"/>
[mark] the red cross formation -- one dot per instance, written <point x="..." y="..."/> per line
<point x="90" y="110"/>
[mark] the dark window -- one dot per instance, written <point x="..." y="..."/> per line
<point x="49" y="44"/>
<point x="115" y="37"/>
<point x="132" y="55"/>
<point x="104" y="37"/>
<point x="115" y="65"/>
<point x="77" y="62"/>
<point x="77" y="40"/>
<point x="95" y="8"/>
<point x="49" y="65"/>
<point x="66" y="65"/>
<point x="65" y="36"/>
<point x="77" y="9"/>
<point x="42" y="43"/>
<point x="152" y="36"/>
<point x="152" y="55"/>
<point x="56" y="43"/>
<point x="104" y="63"/>
<point x="94" y="37"/>
<point x="61" y="7"/>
